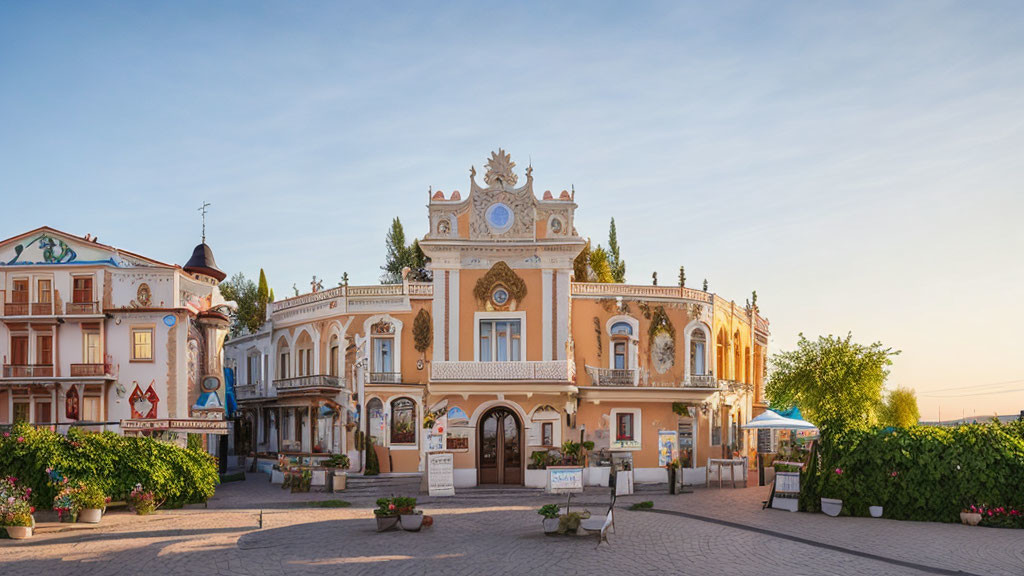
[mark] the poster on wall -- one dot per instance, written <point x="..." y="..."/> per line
<point x="668" y="446"/>
<point x="435" y="442"/>
<point x="441" y="475"/>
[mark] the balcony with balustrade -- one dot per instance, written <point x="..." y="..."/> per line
<point x="385" y="377"/>
<point x="28" y="371"/>
<point x="312" y="384"/>
<point x="631" y="385"/>
<point x="82" y="308"/>
<point x="541" y="377"/>
<point x="613" y="377"/>
<point x="95" y="370"/>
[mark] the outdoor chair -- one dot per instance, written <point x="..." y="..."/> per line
<point x="600" y="526"/>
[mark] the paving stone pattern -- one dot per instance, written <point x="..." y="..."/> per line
<point x="498" y="532"/>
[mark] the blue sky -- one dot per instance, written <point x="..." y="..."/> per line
<point x="859" y="165"/>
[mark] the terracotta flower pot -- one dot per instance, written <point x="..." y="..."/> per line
<point x="90" y="515"/>
<point x="970" y="518"/>
<point x="19" y="532"/>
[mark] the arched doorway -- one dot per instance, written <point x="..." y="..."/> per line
<point x="500" y="447"/>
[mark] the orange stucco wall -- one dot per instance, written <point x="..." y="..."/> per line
<point x="531" y="304"/>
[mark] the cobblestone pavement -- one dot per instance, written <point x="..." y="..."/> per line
<point x="498" y="532"/>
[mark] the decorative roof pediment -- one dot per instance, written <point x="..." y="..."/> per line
<point x="49" y="247"/>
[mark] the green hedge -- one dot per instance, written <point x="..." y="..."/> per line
<point x="921" y="473"/>
<point x="114" y="463"/>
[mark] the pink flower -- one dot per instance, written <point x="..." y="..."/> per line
<point x="391" y="506"/>
<point x="839" y="471"/>
<point x="21" y="438"/>
<point x="7" y="434"/>
<point x="894" y="473"/>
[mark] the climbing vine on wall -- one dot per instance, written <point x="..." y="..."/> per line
<point x="422" y="331"/>
<point x="500" y="273"/>
<point x="597" y="333"/>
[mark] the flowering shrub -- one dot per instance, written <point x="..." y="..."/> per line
<point x="923" y="472"/>
<point x="394" y="506"/>
<point x="1000" y="516"/>
<point x="15" y="509"/>
<point x="110" y="462"/>
<point x="143" y="501"/>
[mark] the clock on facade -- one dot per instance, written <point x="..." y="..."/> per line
<point x="499" y="217"/>
<point x="500" y="296"/>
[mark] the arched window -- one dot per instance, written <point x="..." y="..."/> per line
<point x="698" y="352"/>
<point x="304" y="348"/>
<point x="621" y="328"/>
<point x="737" y="361"/>
<point x="375" y="416"/>
<point x="721" y="345"/>
<point x="334" y="360"/>
<point x="284" y="360"/>
<point x="403" y="421"/>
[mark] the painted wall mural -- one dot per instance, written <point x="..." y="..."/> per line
<point x="53" y="251"/>
<point x="71" y="402"/>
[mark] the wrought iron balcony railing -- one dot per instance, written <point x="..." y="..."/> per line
<point x="28" y="370"/>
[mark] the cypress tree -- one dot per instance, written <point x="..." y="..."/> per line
<point x="615" y="263"/>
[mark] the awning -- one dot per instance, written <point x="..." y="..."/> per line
<point x="771" y="420"/>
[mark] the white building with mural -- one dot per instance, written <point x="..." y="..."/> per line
<point x="99" y="337"/>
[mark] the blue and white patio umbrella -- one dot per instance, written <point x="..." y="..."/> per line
<point x="771" y="420"/>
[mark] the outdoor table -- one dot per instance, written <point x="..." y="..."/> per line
<point x="731" y="462"/>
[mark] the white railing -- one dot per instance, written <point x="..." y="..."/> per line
<point x="415" y="289"/>
<point x="553" y="370"/>
<point x="314" y="381"/>
<point x="613" y="377"/>
<point x="635" y="291"/>
<point x="421" y="289"/>
<point x="385" y="377"/>
<point x="701" y="381"/>
<point x="246" y="391"/>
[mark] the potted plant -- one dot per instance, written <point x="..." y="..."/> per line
<point x="673" y="471"/>
<point x="66" y="503"/>
<point x="15" y="510"/>
<point x="833" y="506"/>
<point x="338" y="479"/>
<point x="971" y="516"/>
<point x="143" y="501"/>
<point x="549" y="512"/>
<point x="90" y="501"/>
<point x="877" y="510"/>
<point x="409" y="517"/>
<point x="386" y="514"/>
<point x="536" y="470"/>
<point x="299" y="480"/>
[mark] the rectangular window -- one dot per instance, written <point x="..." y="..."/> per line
<point x="253" y="370"/>
<point x="44" y="414"/>
<point x="44" y="350"/>
<point x="142" y="344"/>
<point x="91" y="351"/>
<point x="334" y="361"/>
<point x="21" y="412"/>
<point x="305" y="362"/>
<point x="383" y="360"/>
<point x="286" y="425"/>
<point x="44" y="294"/>
<point x="624" y="426"/>
<point x="82" y="290"/>
<point x="547" y="435"/>
<point x="19" y="291"/>
<point x="697" y="358"/>
<point x="19" y="350"/>
<point x="620" y="355"/>
<point x="91" y="409"/>
<point x="500" y="340"/>
<point x="716" y="427"/>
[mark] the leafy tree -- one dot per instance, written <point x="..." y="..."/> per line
<point x="654" y="278"/>
<point x="616" y="265"/>
<point x="581" y="265"/>
<point x="599" y="268"/>
<point x="262" y="294"/>
<point x="399" y="255"/>
<point x="682" y="277"/>
<point x="705" y="285"/>
<point x="899" y="409"/>
<point x="272" y="295"/>
<point x="251" y="312"/>
<point x="836" y="382"/>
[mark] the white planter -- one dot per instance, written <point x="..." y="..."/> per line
<point x="790" y="504"/>
<point x="597" y="475"/>
<point x="550" y="525"/>
<point x="536" y="478"/>
<point x="623" y="482"/>
<point x="876" y="511"/>
<point x="831" y="506"/>
<point x="90" y="515"/>
<point x="411" y="522"/>
<point x="276" y="477"/>
<point x="318" y="478"/>
<point x="338" y="481"/>
<point x="694" y="476"/>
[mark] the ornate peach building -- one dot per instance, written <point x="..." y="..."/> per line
<point x="503" y="354"/>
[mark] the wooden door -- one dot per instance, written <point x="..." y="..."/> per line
<point x="19" y="350"/>
<point x="500" y="448"/>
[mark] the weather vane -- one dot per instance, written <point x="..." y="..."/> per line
<point x="202" y="210"/>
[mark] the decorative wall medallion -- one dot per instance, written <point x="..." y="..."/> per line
<point x="419" y="364"/>
<point x="556" y="226"/>
<point x="170" y="320"/>
<point x="444" y="226"/>
<point x="210" y="383"/>
<point x="143" y="404"/>
<point x="382" y="328"/>
<point x="499" y="218"/>
<point x="144" y="296"/>
<point x="500" y="275"/>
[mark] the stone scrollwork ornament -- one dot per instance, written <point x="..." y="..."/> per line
<point x="499" y="169"/>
